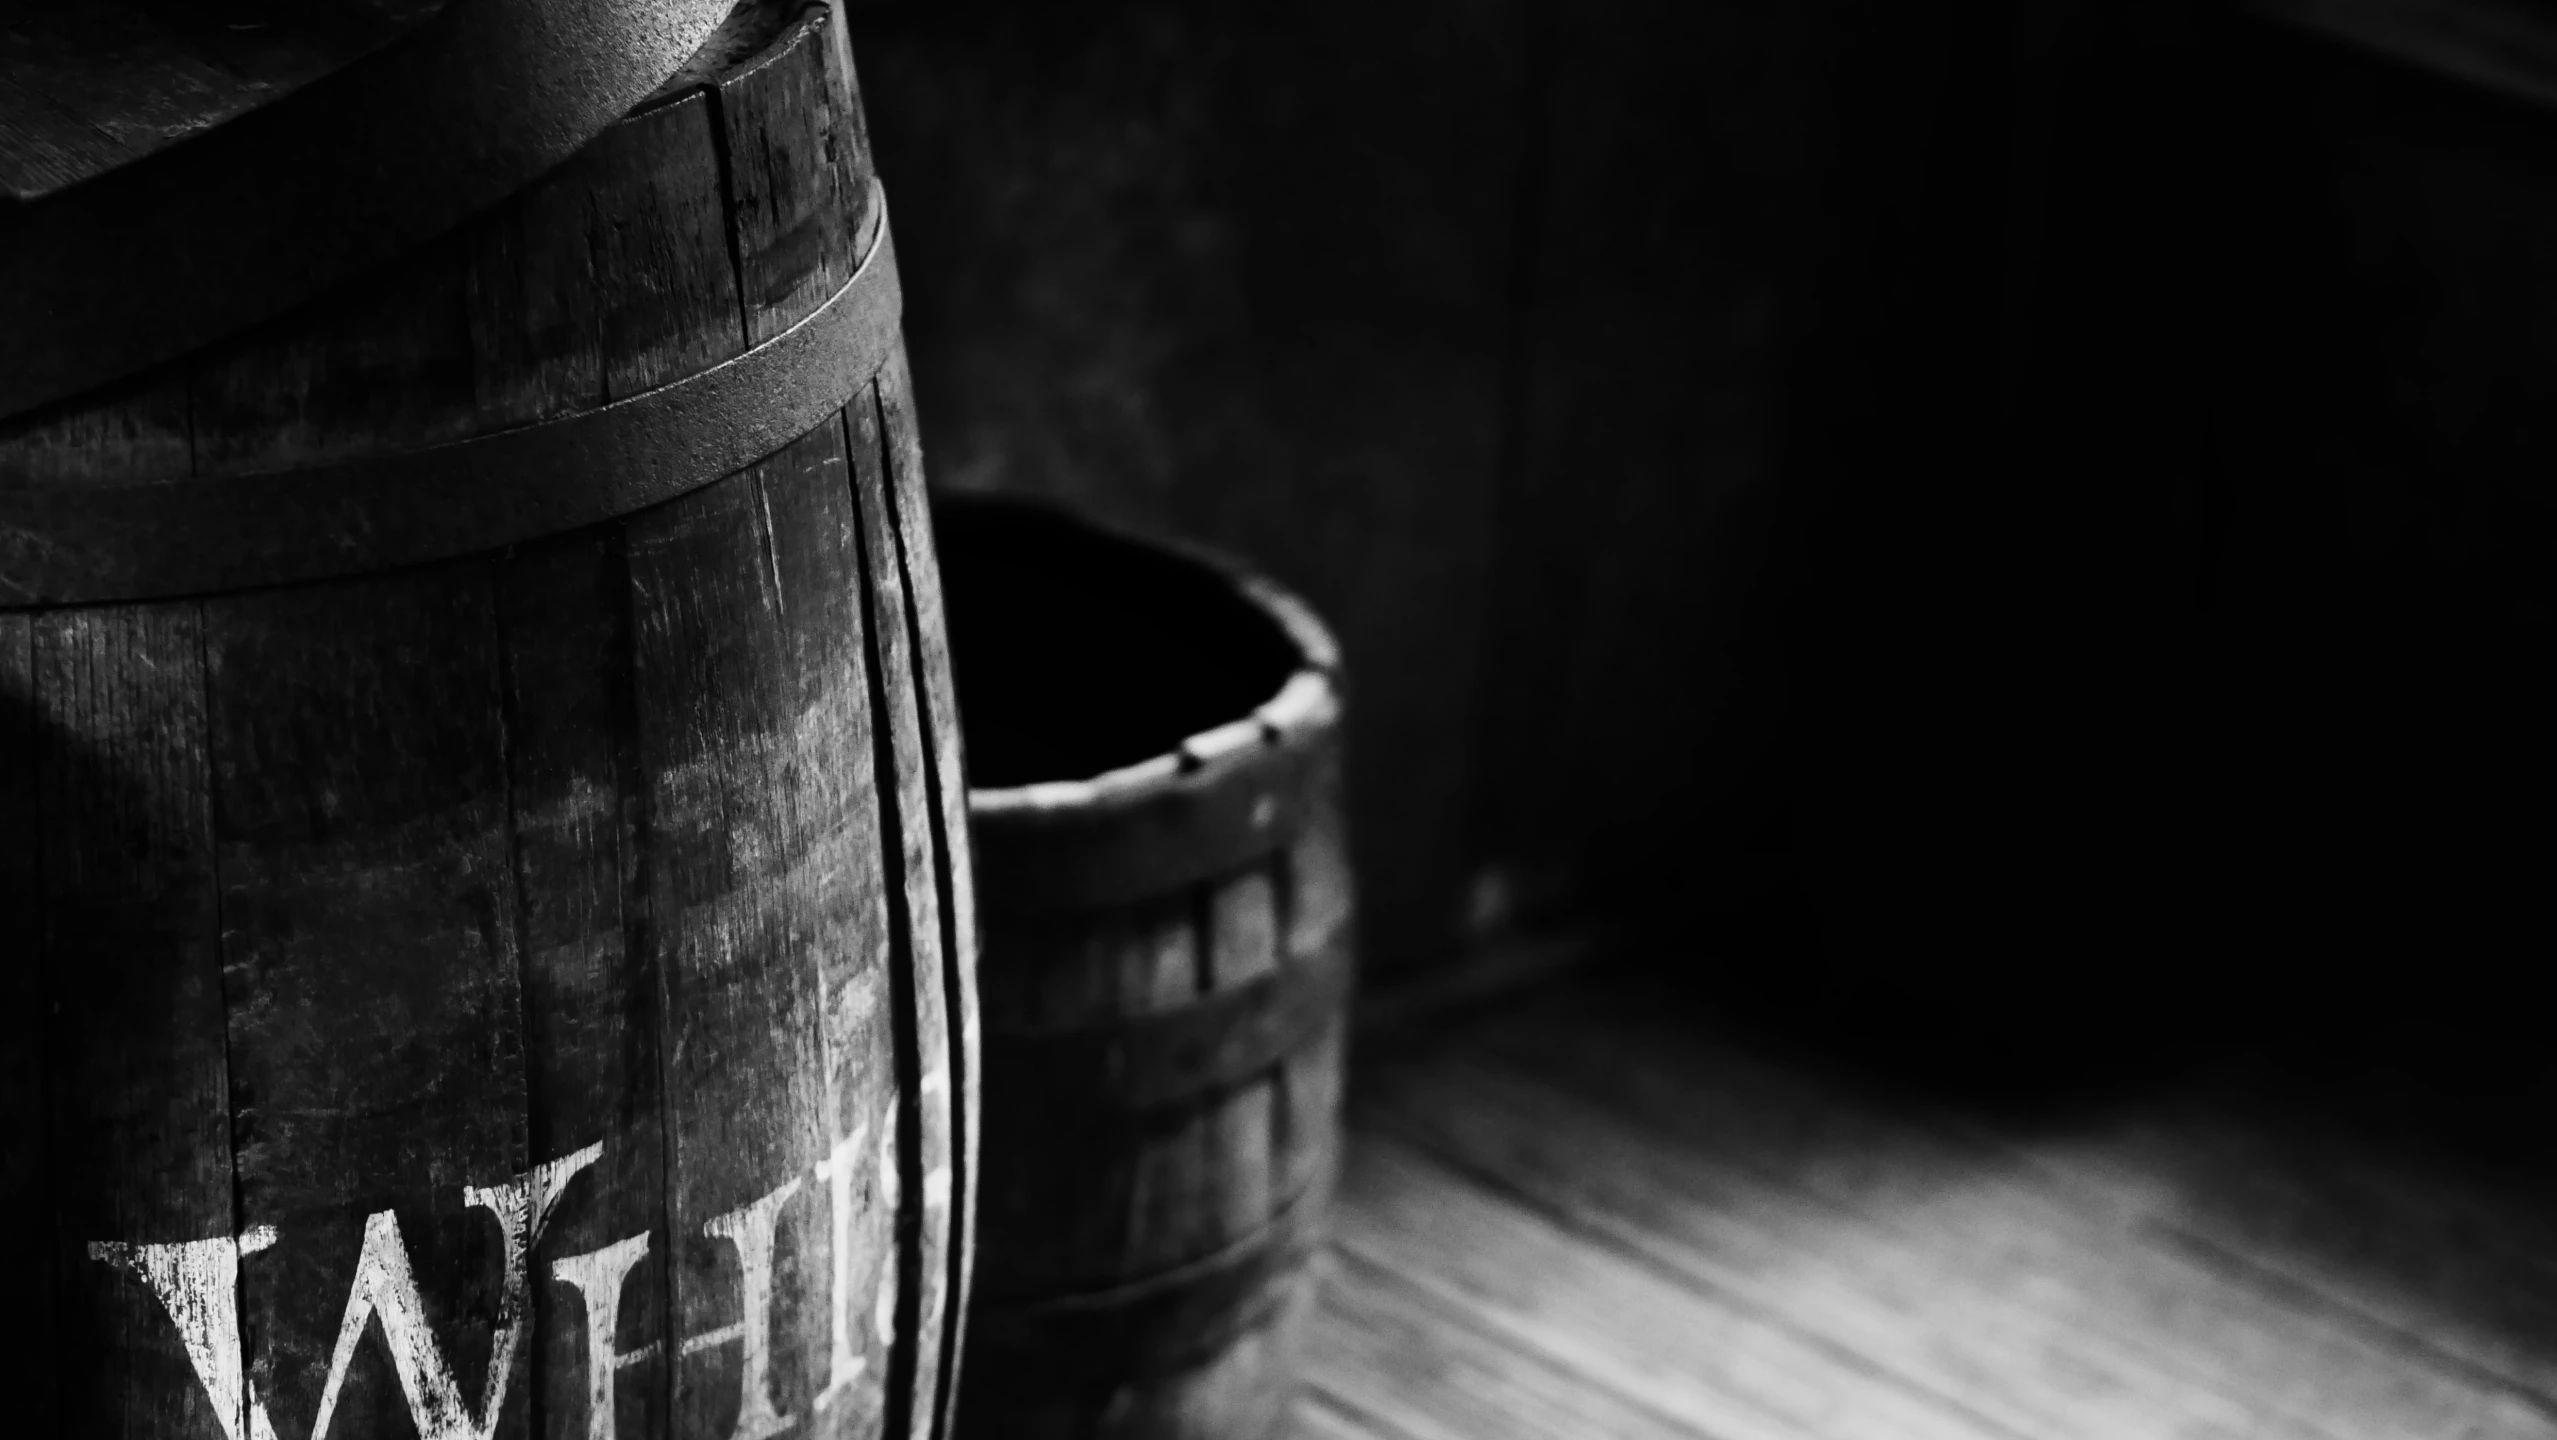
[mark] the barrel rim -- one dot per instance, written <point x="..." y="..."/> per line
<point x="1301" y="712"/>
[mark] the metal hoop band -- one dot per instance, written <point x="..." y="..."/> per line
<point x="1139" y="1063"/>
<point x="228" y="532"/>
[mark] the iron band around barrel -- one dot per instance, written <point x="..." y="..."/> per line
<point x="224" y="532"/>
<point x="1139" y="1062"/>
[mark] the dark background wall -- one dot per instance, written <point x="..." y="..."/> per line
<point x="2035" y="499"/>
<point x="1243" y="272"/>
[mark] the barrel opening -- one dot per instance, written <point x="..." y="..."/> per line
<point x="1078" y="651"/>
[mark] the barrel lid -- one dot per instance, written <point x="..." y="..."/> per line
<point x="172" y="170"/>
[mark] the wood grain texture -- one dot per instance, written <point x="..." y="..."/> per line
<point x="1957" y="1201"/>
<point x="799" y="176"/>
<point x="713" y="688"/>
<point x="831" y="764"/>
<point x="1395" y="1359"/>
<point x="139" y="1142"/>
<point x="370" y="958"/>
<point x="1613" y="1319"/>
<point x="669" y="286"/>
<point x="390" y="367"/>
<point x="592" y="996"/>
<point x="1614" y="1199"/>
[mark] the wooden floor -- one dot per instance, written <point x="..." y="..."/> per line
<point x="1585" y="1212"/>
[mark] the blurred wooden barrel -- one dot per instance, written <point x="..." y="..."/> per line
<point x="480" y="803"/>
<point x="1166" y="964"/>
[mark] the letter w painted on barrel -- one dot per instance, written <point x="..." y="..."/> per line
<point x="196" y="1282"/>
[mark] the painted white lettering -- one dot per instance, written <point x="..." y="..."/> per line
<point x="936" y="1205"/>
<point x="197" y="1283"/>
<point x="839" y="1169"/>
<point x="750" y="1228"/>
<point x="883" y="1316"/>
<point x="386" y="1287"/>
<point x="599" y="1276"/>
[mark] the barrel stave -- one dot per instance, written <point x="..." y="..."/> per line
<point x="136" y="1078"/>
<point x="1243" y="933"/>
<point x="382" y="364"/>
<point x="729" y="899"/>
<point x="1306" y="1122"/>
<point x="928" y="1303"/>
<point x="909" y="509"/>
<point x="593" y="989"/>
<point x="799" y="167"/>
<point x="1088" y="1195"/>
<point x="370" y="968"/>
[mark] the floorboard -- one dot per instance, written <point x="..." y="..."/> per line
<point x="1599" y="1209"/>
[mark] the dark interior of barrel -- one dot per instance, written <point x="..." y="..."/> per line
<point x="1077" y="652"/>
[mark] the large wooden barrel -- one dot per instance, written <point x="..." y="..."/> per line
<point x="1155" y="745"/>
<point x="482" y="846"/>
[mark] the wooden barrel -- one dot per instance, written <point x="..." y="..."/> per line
<point x="482" y="845"/>
<point x="1165" y="966"/>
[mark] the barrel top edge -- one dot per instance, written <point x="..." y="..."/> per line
<point x="1202" y="761"/>
<point x="1302" y="712"/>
<point x="756" y="35"/>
